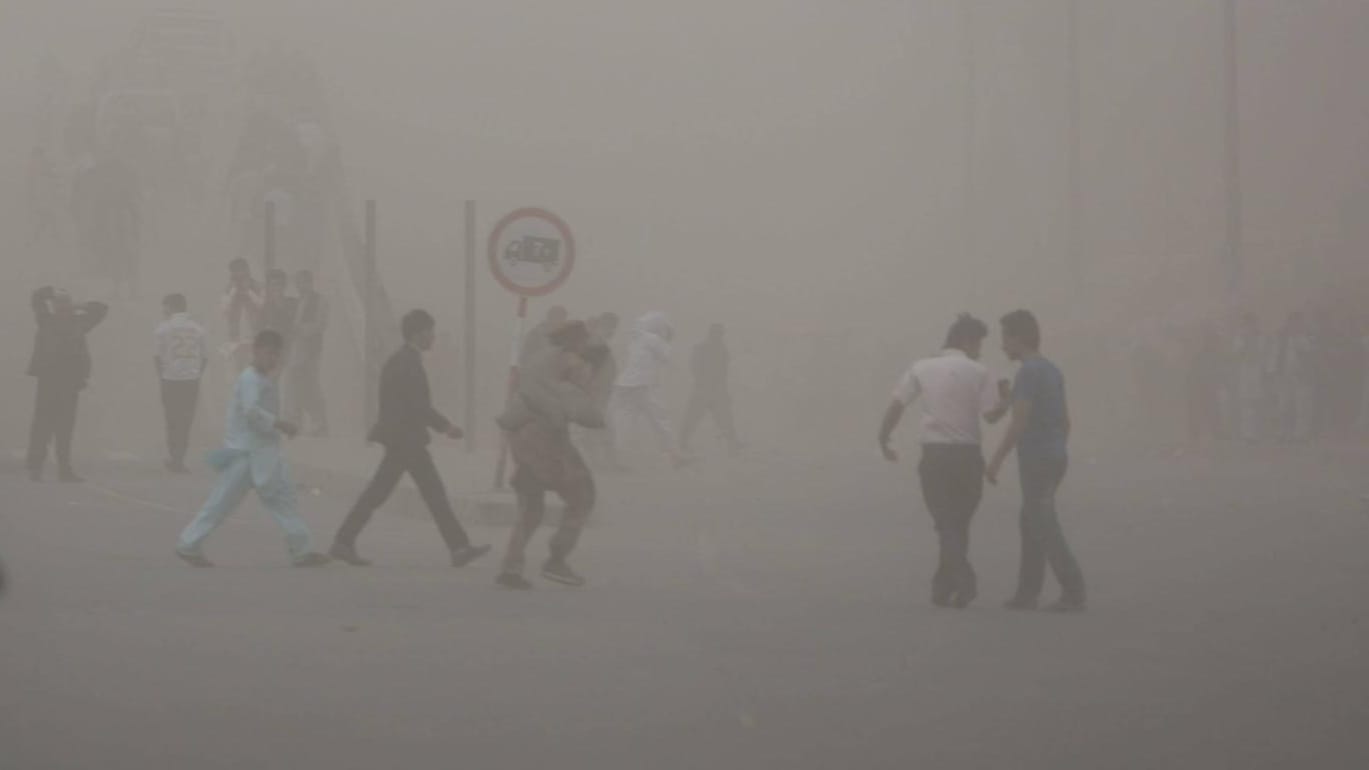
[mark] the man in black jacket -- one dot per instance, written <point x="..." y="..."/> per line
<point x="406" y="416"/>
<point x="61" y="364"/>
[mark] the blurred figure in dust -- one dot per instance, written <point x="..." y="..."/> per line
<point x="241" y="307"/>
<point x="251" y="458"/>
<point x="278" y="308"/>
<point x="1207" y="370"/>
<point x="598" y="442"/>
<point x="636" y="393"/>
<point x="956" y="393"/>
<point x="1250" y="354"/>
<point x="709" y="394"/>
<point x="104" y="205"/>
<point x="1039" y="433"/>
<point x="61" y="365"/>
<point x="1294" y="371"/>
<point x="43" y="188"/>
<point x="310" y="326"/>
<point x="554" y="392"/>
<point x="181" y="357"/>
<point x="537" y="338"/>
<point x="402" y="427"/>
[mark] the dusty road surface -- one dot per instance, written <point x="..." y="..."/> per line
<point x="768" y="615"/>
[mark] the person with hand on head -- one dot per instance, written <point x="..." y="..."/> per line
<point x="61" y="365"/>
<point x="251" y="458"/>
<point x="406" y="416"/>
<point x="955" y="392"/>
<point x="1039" y="432"/>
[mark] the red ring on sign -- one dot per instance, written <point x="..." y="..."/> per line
<point x="567" y="263"/>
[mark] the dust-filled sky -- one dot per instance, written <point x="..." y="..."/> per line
<point x="854" y="171"/>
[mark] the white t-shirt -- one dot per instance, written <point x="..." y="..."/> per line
<point x="954" y="391"/>
<point x="180" y="348"/>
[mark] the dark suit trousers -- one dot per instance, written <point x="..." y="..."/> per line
<point x="54" y="421"/>
<point x="952" y="486"/>
<point x="418" y="463"/>
<point x="179" y="398"/>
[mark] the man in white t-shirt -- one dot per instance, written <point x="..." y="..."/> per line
<point x="181" y="355"/>
<point x="955" y="391"/>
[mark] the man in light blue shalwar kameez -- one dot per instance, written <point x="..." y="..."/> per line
<point x="251" y="458"/>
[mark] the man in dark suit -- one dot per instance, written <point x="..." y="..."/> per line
<point x="406" y="416"/>
<point x="61" y="364"/>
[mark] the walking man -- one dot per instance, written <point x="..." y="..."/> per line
<point x="181" y="356"/>
<point x="251" y="458"/>
<point x="1039" y="431"/>
<point x="955" y="391"/>
<point x="636" y="393"/>
<point x="305" y="399"/>
<point x="406" y="415"/>
<point x="709" y="394"/>
<point x="61" y="364"/>
<point x="555" y="390"/>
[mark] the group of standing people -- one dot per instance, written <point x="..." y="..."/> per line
<point x="1301" y="382"/>
<point x="956" y="394"/>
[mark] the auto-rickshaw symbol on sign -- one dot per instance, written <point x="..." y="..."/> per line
<point x="531" y="250"/>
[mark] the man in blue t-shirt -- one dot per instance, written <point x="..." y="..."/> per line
<point x="1039" y="432"/>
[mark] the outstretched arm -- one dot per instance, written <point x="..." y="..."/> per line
<point x="42" y="311"/>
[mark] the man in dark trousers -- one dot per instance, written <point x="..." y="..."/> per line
<point x="955" y="392"/>
<point x="406" y="416"/>
<point x="1039" y="432"/>
<point x="61" y="364"/>
<point x="181" y="356"/>
<point x="709" y="395"/>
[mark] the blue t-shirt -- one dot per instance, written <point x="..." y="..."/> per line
<point x="1040" y="382"/>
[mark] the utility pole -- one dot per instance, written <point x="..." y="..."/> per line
<point x="1234" y="257"/>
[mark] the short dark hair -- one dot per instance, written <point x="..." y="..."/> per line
<point x="1021" y="325"/>
<point x="415" y="322"/>
<point x="175" y="303"/>
<point x="269" y="338"/>
<point x="967" y="330"/>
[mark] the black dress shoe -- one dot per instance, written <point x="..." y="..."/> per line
<point x="311" y="560"/>
<point x="467" y="554"/>
<point x="348" y="555"/>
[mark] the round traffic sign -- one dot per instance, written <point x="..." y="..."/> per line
<point x="531" y="252"/>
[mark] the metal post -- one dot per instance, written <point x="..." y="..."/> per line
<point x="500" y="467"/>
<point x="268" y="255"/>
<point x="967" y="204"/>
<point x="1072" y="223"/>
<point x="369" y="353"/>
<point x="1234" y="255"/>
<point x="468" y="352"/>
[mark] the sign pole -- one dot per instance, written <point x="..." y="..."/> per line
<point x="501" y="467"/>
<point x="531" y="252"/>
<point x="468" y="354"/>
<point x="368" y="353"/>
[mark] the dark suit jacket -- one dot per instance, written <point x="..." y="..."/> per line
<point x="59" y="347"/>
<point x="406" y="406"/>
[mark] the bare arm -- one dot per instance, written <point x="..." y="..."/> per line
<point x="1021" y="414"/>
<point x="892" y="416"/>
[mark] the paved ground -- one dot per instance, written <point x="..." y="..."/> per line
<point x="772" y="614"/>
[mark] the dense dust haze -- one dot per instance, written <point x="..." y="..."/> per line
<point x="784" y="204"/>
